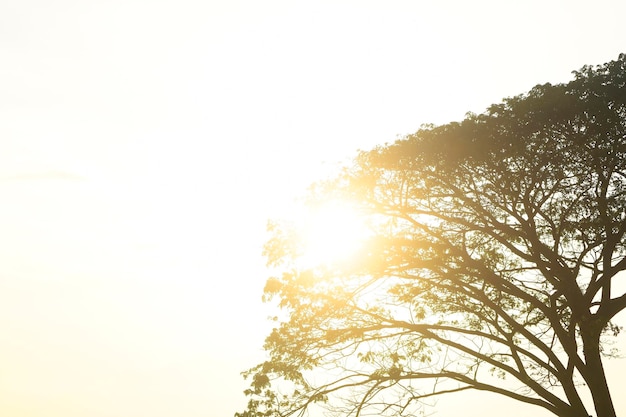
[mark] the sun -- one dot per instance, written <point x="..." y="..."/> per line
<point x="330" y="233"/>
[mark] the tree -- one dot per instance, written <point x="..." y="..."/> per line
<point x="494" y="263"/>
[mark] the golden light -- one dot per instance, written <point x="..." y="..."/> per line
<point x="332" y="232"/>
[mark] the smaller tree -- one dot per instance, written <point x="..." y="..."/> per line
<point x="496" y="252"/>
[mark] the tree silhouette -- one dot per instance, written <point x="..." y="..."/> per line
<point x="494" y="263"/>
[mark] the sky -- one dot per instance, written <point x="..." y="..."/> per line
<point x="144" y="144"/>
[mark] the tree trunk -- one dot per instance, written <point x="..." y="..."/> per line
<point x="594" y="374"/>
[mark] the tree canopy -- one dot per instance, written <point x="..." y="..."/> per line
<point x="494" y="262"/>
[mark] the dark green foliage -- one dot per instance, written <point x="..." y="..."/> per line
<point x="497" y="245"/>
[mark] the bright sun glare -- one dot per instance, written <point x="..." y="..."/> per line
<point x="332" y="232"/>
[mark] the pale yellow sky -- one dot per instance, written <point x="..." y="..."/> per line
<point x="145" y="143"/>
